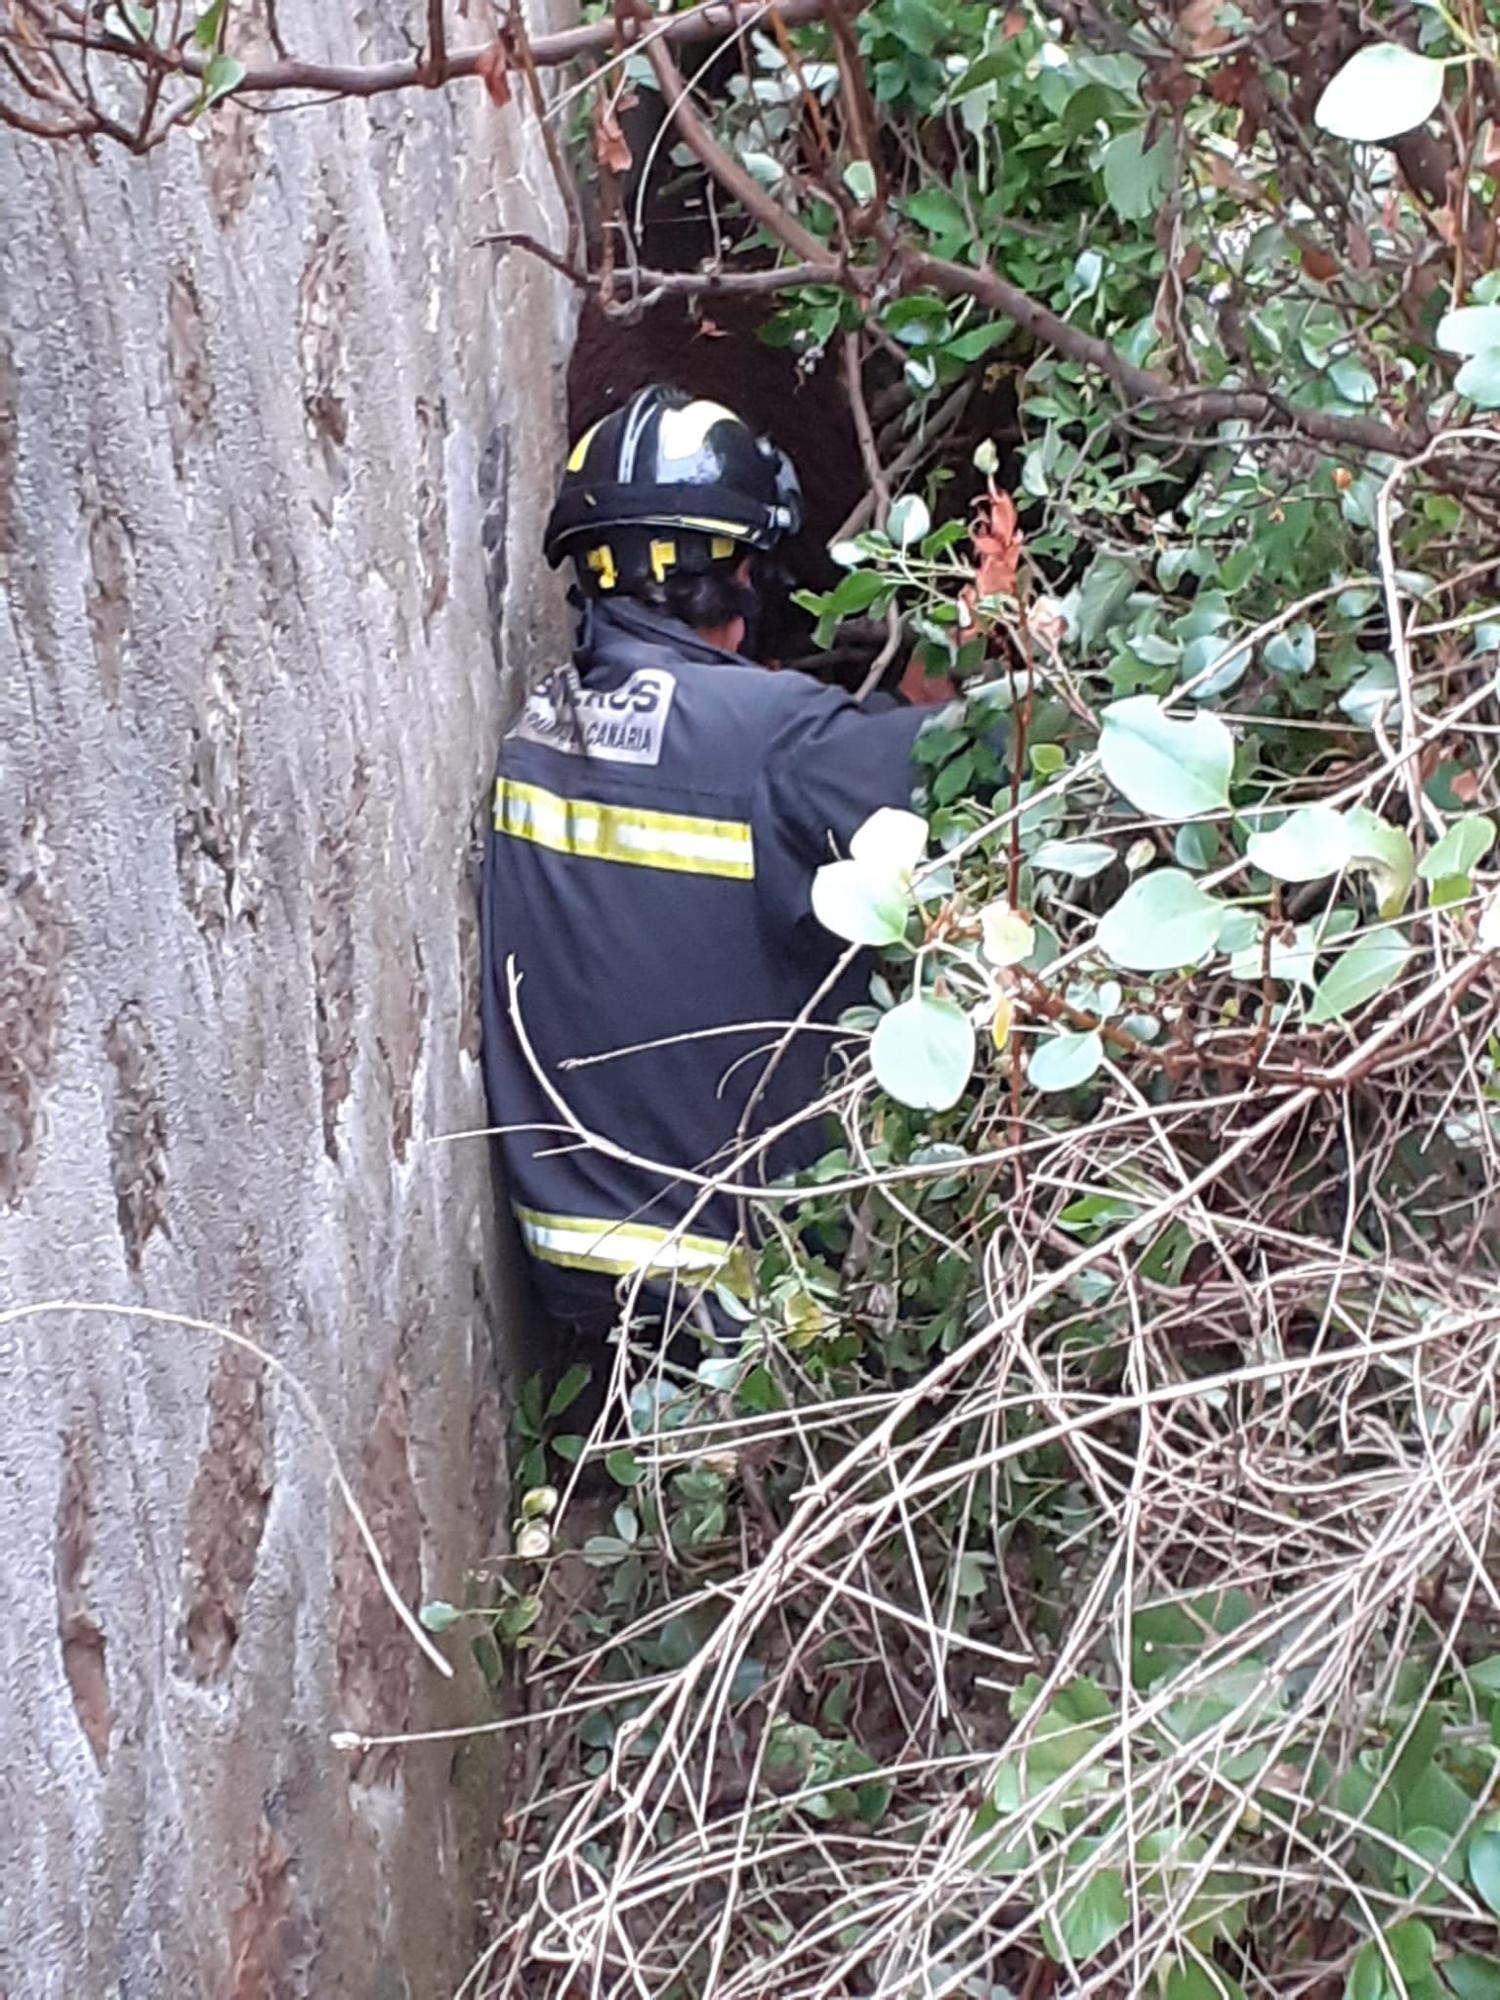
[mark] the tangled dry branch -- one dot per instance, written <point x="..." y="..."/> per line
<point x="1123" y="1639"/>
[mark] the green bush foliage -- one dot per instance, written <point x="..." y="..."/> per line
<point x="1080" y="1577"/>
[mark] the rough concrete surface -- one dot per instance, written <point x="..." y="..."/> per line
<point x="247" y="704"/>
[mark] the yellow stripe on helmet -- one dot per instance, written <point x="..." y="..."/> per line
<point x="580" y="450"/>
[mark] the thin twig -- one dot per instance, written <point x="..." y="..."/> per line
<point x="14" y="1315"/>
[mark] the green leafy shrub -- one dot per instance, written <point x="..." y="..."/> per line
<point x="1080" y="1577"/>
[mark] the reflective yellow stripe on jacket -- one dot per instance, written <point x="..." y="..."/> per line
<point x="680" y="841"/>
<point x="585" y="1243"/>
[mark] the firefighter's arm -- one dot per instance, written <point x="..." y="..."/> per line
<point x="831" y="765"/>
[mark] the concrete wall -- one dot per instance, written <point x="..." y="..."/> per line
<point x="248" y="701"/>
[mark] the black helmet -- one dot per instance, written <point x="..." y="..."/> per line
<point x="669" y="482"/>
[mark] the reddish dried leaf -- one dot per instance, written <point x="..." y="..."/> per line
<point x="998" y="541"/>
<point x="1013" y="25"/>
<point x="1227" y="84"/>
<point x="1176" y="86"/>
<point x="611" y="148"/>
<point x="1465" y="787"/>
<point x="492" y="68"/>
<point x="1361" y="255"/>
<point x="1190" y="263"/>
<point x="1318" y="263"/>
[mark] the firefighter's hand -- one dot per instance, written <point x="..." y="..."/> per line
<point x="924" y="690"/>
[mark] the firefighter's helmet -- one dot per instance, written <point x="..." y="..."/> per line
<point x="669" y="483"/>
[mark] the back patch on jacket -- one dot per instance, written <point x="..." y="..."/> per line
<point x="621" y="725"/>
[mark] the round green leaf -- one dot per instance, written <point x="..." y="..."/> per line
<point x="1162" y="922"/>
<point x="1171" y="770"/>
<point x="1469" y="330"/>
<point x="1353" y="381"/>
<point x="1368" y="1978"/>
<point x="1365" y="700"/>
<point x="1371" y="963"/>
<point x="1297" y="961"/>
<point x="1442" y="1854"/>
<point x="856" y="591"/>
<point x="1239" y="930"/>
<point x="570" y="1387"/>
<point x="1196" y="845"/>
<point x="1107" y="582"/>
<point x="1097" y="1914"/>
<point x="1381" y="91"/>
<point x="1479" y="379"/>
<point x="1460" y="850"/>
<point x="438" y="1616"/>
<point x="891" y="840"/>
<point x="923" y="1052"/>
<point x="1063" y="1062"/>
<point x="908" y="521"/>
<point x="1473" y="1977"/>
<point x="1292" y="652"/>
<point x="1411" y="1944"/>
<point x="221" y="74"/>
<point x="1201" y="1982"/>
<point x="1314" y="842"/>
<point x="866" y="905"/>
<point x="1484" y="1865"/>
<point x="1006" y="938"/>
<point x="763" y="167"/>
<point x="1212" y="666"/>
<point x="1082" y="858"/>
<point x="1136" y="175"/>
<point x="1385" y="853"/>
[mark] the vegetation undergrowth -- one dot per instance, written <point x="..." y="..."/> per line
<point x="1080" y="1577"/>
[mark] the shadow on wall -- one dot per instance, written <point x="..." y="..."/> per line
<point x="711" y="347"/>
<point x="715" y="352"/>
<point x="532" y="1340"/>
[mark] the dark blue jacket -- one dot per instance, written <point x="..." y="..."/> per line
<point x="659" y="810"/>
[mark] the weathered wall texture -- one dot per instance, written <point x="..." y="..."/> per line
<point x="247" y="702"/>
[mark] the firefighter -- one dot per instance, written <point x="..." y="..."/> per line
<point x="660" y="808"/>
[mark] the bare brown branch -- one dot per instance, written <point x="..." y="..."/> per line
<point x="697" y="24"/>
<point x="730" y="175"/>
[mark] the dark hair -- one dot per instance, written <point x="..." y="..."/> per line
<point x="703" y="601"/>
